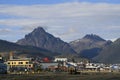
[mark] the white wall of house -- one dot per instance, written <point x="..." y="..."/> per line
<point x="60" y="59"/>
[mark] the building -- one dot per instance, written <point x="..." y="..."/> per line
<point x="19" y="63"/>
<point x="26" y="63"/>
<point x="45" y="65"/>
<point x="60" y="59"/>
<point x="3" y="68"/>
<point x="1" y="59"/>
<point x="11" y="55"/>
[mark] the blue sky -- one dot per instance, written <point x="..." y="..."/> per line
<point x="31" y="2"/>
<point x="62" y="18"/>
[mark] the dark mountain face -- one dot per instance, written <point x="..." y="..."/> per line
<point x="6" y="46"/>
<point x="90" y="53"/>
<point x="89" y="46"/>
<point x="40" y="38"/>
<point x="110" y="54"/>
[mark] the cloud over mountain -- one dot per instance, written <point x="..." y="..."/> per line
<point x="73" y="19"/>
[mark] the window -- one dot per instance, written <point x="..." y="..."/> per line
<point x="27" y="62"/>
<point x="20" y="63"/>
<point x="29" y="65"/>
<point x="14" y="62"/>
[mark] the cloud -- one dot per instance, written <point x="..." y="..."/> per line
<point x="66" y="20"/>
<point x="4" y="31"/>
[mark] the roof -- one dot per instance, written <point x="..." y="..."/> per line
<point x="19" y="60"/>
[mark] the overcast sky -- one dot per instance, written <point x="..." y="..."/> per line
<point x="66" y="19"/>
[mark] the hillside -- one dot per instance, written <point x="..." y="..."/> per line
<point x="40" y="38"/>
<point x="110" y="54"/>
<point x="6" y="46"/>
<point x="89" y="46"/>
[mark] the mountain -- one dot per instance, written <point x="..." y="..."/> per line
<point x="110" y="54"/>
<point x="6" y="46"/>
<point x="40" y="38"/>
<point x="89" y="46"/>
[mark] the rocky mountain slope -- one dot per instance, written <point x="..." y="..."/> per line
<point x="110" y="54"/>
<point x="40" y="38"/>
<point x="40" y="43"/>
<point x="89" y="46"/>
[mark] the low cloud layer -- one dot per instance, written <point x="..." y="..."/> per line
<point x="69" y="21"/>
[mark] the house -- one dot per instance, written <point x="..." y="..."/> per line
<point x="26" y="63"/>
<point x="21" y="64"/>
<point x="45" y="65"/>
<point x="60" y="59"/>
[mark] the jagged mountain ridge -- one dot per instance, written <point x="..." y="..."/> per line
<point x="89" y="46"/>
<point x="40" y="38"/>
<point x="88" y="42"/>
<point x="93" y="37"/>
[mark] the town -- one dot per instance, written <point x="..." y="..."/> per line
<point x="58" y="64"/>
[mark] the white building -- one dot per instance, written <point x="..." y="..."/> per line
<point x="60" y="59"/>
<point x="72" y="64"/>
